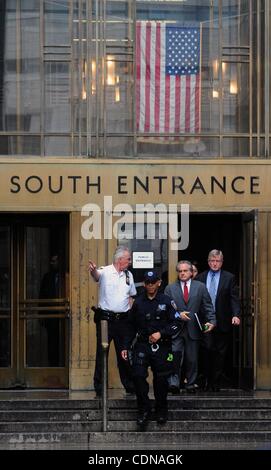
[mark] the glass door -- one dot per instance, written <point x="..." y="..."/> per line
<point x="5" y="297"/>
<point x="34" y="301"/>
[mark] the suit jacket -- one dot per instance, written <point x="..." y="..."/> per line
<point x="227" y="303"/>
<point x="199" y="302"/>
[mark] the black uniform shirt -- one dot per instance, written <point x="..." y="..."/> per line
<point x="152" y="315"/>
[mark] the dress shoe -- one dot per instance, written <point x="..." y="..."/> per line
<point x="129" y="387"/>
<point x="191" y="389"/>
<point x="203" y="384"/>
<point x="161" y="417"/>
<point x="174" y="389"/>
<point x="215" y="388"/>
<point x="142" y="418"/>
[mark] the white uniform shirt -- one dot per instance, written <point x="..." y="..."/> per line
<point x="114" y="292"/>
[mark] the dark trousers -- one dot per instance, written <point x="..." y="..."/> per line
<point x="116" y="331"/>
<point x="175" y="378"/>
<point x="213" y="355"/>
<point x="185" y="352"/>
<point x="143" y="357"/>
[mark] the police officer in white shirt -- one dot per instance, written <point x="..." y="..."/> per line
<point x="116" y="289"/>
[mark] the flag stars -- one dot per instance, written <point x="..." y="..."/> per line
<point x="182" y="52"/>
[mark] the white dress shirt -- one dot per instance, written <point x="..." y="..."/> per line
<point x="188" y="283"/>
<point x="114" y="292"/>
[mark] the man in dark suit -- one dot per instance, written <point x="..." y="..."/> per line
<point x="194" y="306"/>
<point x="223" y="291"/>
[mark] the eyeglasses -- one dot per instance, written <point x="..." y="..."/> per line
<point x="183" y="271"/>
<point x="150" y="282"/>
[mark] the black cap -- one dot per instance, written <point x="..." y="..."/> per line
<point x="151" y="276"/>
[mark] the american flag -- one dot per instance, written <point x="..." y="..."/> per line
<point x="168" y="78"/>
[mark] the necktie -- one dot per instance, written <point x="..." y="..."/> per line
<point x="185" y="293"/>
<point x="212" y="289"/>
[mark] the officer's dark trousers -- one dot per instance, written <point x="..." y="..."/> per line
<point x="143" y="357"/>
<point x="116" y="332"/>
<point x="174" y="379"/>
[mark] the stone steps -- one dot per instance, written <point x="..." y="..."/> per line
<point x="192" y="421"/>
<point x="180" y="402"/>
<point x="131" y="426"/>
<point x="121" y="415"/>
<point x="131" y="439"/>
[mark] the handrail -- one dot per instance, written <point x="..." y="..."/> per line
<point x="105" y="345"/>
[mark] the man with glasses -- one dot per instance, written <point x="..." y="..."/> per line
<point x="152" y="324"/>
<point x="192" y="301"/>
<point x="225" y="298"/>
<point x="116" y="289"/>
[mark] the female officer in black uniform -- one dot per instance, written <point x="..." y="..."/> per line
<point x="153" y="321"/>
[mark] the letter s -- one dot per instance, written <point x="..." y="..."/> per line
<point x="18" y="187"/>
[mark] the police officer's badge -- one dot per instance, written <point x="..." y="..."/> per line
<point x="162" y="307"/>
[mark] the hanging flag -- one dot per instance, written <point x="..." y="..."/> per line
<point x="167" y="78"/>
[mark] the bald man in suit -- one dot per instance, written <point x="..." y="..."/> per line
<point x="225" y="298"/>
<point x="190" y="297"/>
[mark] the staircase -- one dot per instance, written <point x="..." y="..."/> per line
<point x="202" y="421"/>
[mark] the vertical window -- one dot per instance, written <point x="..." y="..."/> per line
<point x="57" y="97"/>
<point x="57" y="78"/>
<point x="20" y="78"/>
<point x="56" y="17"/>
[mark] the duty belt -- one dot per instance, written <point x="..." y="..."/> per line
<point x="110" y="315"/>
<point x="145" y="339"/>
